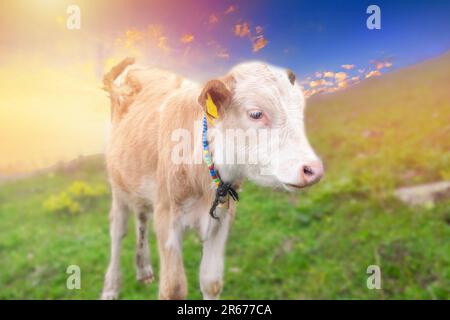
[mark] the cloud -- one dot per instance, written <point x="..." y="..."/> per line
<point x="155" y="31"/>
<point x="258" y="43"/>
<point x="242" y="30"/>
<point x="340" y="76"/>
<point x="381" y="64"/>
<point x="343" y="84"/>
<point x="153" y="44"/>
<point x="348" y="66"/>
<point x="333" y="89"/>
<point x="187" y="38"/>
<point x="162" y="44"/>
<point x="213" y="19"/>
<point x="136" y="42"/>
<point x="155" y="35"/>
<point x="131" y="39"/>
<point x="373" y="73"/>
<point x="337" y="81"/>
<point x="230" y="9"/>
<point x="332" y="81"/>
<point x="320" y="82"/>
<point x="314" y="83"/>
<point x="313" y="91"/>
<point x="310" y="92"/>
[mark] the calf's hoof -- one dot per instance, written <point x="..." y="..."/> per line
<point x="145" y="275"/>
<point x="109" y="295"/>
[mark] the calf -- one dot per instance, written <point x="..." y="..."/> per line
<point x="154" y="174"/>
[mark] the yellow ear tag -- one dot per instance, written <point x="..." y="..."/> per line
<point x="211" y="109"/>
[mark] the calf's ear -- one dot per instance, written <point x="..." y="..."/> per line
<point x="215" y="91"/>
<point x="291" y="76"/>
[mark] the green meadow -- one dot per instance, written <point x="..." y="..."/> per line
<point x="384" y="133"/>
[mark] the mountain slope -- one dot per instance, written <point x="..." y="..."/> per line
<point x="390" y="130"/>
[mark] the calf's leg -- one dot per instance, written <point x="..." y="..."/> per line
<point x="118" y="225"/>
<point x="211" y="267"/>
<point x="144" y="271"/>
<point x="169" y="233"/>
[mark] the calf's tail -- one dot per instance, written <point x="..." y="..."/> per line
<point x="120" y="95"/>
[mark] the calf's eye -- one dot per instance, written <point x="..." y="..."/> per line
<point x="255" y="114"/>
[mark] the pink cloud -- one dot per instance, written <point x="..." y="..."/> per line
<point x="230" y="9"/>
<point x="320" y="82"/>
<point x="348" y="66"/>
<point x="340" y="76"/>
<point x="343" y="84"/>
<point x="259" y="42"/>
<point x="373" y="73"/>
<point x="242" y="30"/>
<point x="213" y="19"/>
<point x="187" y="38"/>
<point x="380" y="64"/>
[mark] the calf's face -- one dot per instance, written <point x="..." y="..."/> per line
<point x="260" y="132"/>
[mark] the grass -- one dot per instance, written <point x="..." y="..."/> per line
<point x="384" y="133"/>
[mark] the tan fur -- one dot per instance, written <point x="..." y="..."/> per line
<point x="140" y="147"/>
<point x="120" y="97"/>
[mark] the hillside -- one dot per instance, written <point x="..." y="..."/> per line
<point x="386" y="132"/>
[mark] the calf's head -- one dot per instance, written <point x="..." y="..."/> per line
<point x="259" y="133"/>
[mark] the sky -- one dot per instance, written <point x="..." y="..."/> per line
<point x="51" y="105"/>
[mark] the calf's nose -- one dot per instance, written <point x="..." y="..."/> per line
<point x="312" y="172"/>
